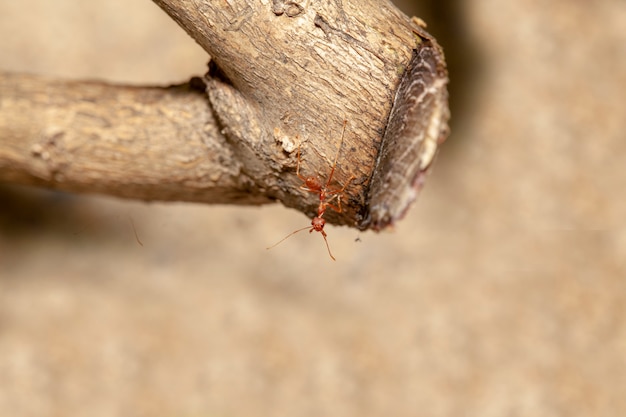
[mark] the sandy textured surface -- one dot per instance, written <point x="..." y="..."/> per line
<point x="502" y="293"/>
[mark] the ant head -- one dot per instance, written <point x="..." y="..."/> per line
<point x="318" y="224"/>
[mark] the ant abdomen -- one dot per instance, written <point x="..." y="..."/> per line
<point x="312" y="183"/>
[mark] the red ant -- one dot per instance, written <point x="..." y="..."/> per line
<point x="327" y="194"/>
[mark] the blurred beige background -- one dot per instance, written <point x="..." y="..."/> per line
<point x="501" y="294"/>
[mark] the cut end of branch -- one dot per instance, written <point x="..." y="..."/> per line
<point x="418" y="124"/>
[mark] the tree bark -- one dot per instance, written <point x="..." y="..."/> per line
<point x="283" y="78"/>
<point x="132" y="142"/>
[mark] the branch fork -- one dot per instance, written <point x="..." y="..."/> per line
<point x="281" y="74"/>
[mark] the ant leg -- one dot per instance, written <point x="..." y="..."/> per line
<point x="326" y="204"/>
<point x="335" y="191"/>
<point x="302" y="177"/>
<point x="327" y="246"/>
<point x="336" y="194"/>
<point x="332" y="171"/>
<point x="325" y="240"/>
<point x="352" y="177"/>
<point x="337" y="207"/>
<point x="308" y="189"/>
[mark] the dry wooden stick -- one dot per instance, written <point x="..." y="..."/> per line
<point x="144" y="143"/>
<point x="282" y="75"/>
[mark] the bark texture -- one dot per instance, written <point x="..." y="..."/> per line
<point x="284" y="75"/>
<point x="132" y="142"/>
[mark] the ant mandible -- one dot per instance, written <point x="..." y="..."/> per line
<point x="327" y="195"/>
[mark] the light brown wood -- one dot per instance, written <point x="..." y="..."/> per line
<point x="132" y="142"/>
<point x="283" y="75"/>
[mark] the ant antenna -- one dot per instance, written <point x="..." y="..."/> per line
<point x="299" y="230"/>
<point x="287" y="237"/>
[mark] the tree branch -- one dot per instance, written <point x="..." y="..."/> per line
<point x="283" y="76"/>
<point x="133" y="142"/>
